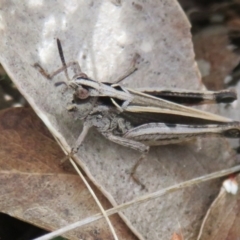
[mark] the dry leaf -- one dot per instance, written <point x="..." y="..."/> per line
<point x="104" y="36"/>
<point x="214" y="56"/>
<point x="177" y="236"/>
<point x="34" y="187"/>
<point x="217" y="60"/>
<point x="223" y="219"/>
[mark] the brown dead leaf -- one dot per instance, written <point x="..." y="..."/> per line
<point x="104" y="36"/>
<point x="176" y="236"/>
<point x="223" y="219"/>
<point x="214" y="56"/>
<point x="34" y="187"/>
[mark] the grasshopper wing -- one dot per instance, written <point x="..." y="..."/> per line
<point x="156" y="107"/>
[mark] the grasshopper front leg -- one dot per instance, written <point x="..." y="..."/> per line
<point x="78" y="143"/>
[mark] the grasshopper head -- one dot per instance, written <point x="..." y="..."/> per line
<point x="81" y="92"/>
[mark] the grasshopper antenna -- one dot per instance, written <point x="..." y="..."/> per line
<point x="60" y="51"/>
<point x="80" y="92"/>
<point x="75" y="65"/>
<point x="76" y="68"/>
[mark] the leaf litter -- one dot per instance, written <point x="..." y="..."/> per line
<point x="167" y="60"/>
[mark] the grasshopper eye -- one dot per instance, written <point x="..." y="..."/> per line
<point x="81" y="93"/>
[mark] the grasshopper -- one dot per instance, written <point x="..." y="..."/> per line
<point x="141" y="118"/>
